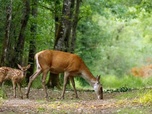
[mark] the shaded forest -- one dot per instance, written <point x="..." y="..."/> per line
<point x="111" y="36"/>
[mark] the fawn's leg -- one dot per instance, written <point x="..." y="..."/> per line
<point x="19" y="87"/>
<point x="14" y="88"/>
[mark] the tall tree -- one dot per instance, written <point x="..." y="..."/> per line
<point x="66" y="29"/>
<point x="65" y="35"/>
<point x="21" y="38"/>
<point x="32" y="48"/>
<point x="6" y="42"/>
<point x="74" y="26"/>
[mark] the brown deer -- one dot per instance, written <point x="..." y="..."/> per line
<point x="15" y="75"/>
<point x="57" y="62"/>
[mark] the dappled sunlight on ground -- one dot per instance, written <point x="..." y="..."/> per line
<point x="86" y="104"/>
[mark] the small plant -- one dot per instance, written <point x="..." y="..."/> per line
<point x="121" y="89"/>
<point x="2" y="94"/>
<point x="146" y="98"/>
<point x="41" y="109"/>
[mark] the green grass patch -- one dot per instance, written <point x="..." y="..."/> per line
<point x="145" y="98"/>
<point x="37" y="82"/>
<point x="125" y="81"/>
<point x="142" y="97"/>
<point x="2" y="94"/>
<point x="140" y="102"/>
<point x="134" y="110"/>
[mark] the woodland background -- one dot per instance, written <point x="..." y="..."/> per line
<point x="113" y="37"/>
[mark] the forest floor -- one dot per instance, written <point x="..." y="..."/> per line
<point x="113" y="103"/>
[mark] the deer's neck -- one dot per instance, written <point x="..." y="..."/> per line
<point x="87" y="75"/>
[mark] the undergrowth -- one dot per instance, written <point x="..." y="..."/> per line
<point x="125" y="81"/>
<point x="109" y="83"/>
<point x="2" y="94"/>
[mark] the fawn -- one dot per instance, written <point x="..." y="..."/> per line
<point x="15" y="75"/>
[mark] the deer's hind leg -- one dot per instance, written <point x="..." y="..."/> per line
<point x="44" y="82"/>
<point x="73" y="84"/>
<point x="38" y="72"/>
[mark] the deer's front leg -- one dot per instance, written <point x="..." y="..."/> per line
<point x="66" y="75"/>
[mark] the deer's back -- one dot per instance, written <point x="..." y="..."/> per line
<point x="59" y="61"/>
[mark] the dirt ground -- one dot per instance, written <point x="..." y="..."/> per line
<point x="86" y="104"/>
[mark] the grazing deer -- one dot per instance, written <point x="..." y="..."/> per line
<point x="15" y="75"/>
<point x="57" y="62"/>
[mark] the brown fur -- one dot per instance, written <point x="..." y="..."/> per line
<point x="62" y="62"/>
<point x="15" y="75"/>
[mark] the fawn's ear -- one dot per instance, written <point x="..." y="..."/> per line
<point x="28" y="66"/>
<point x="19" y="66"/>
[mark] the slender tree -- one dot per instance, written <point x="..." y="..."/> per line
<point x="74" y="25"/>
<point x="21" y="38"/>
<point x="6" y="42"/>
<point x="32" y="48"/>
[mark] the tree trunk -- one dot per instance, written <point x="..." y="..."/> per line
<point x="66" y="27"/>
<point x="62" y="28"/>
<point x="63" y="31"/>
<point x="32" y="48"/>
<point x="21" y="38"/>
<point x="5" y="49"/>
<point x="74" y="26"/>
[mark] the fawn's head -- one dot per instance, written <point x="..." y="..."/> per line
<point x="23" y="68"/>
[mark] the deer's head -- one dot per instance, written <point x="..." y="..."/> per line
<point x="98" y="88"/>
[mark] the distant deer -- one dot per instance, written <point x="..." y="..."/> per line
<point x="57" y="62"/>
<point x="15" y="75"/>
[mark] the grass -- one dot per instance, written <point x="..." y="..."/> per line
<point x="125" y="81"/>
<point x="2" y="94"/>
<point x="134" y="110"/>
<point x="140" y="102"/>
<point x="145" y="98"/>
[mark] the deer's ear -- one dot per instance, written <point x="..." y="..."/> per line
<point x="19" y="66"/>
<point x="98" y="77"/>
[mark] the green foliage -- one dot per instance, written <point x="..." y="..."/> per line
<point x="112" y="36"/>
<point x="37" y="83"/>
<point x="116" y="38"/>
<point x="2" y="94"/>
<point x="125" y="82"/>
